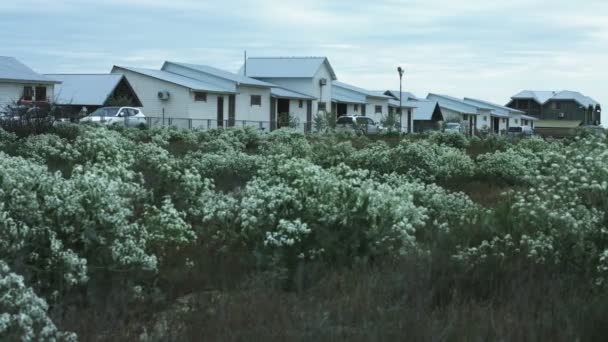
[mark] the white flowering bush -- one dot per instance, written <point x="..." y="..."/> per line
<point x="286" y="142"/>
<point x="514" y="166"/>
<point x="452" y="139"/>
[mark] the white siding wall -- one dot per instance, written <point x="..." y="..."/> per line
<point x="370" y="110"/>
<point x="324" y="93"/>
<point x="483" y="120"/>
<point x="12" y="92"/>
<point x="515" y="120"/>
<point x="450" y="115"/>
<point x="297" y="112"/>
<point x="244" y="109"/>
<point x="204" y="110"/>
<point x="179" y="104"/>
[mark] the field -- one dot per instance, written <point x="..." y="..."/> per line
<point x="232" y="235"/>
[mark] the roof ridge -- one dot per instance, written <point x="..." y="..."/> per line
<point x="288" y="57"/>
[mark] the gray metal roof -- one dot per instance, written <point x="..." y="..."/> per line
<point x="359" y="90"/>
<point x="495" y="107"/>
<point x="290" y="94"/>
<point x="183" y="81"/>
<point x="543" y="97"/>
<point x="405" y="95"/>
<point x="13" y="70"/>
<point x="527" y="117"/>
<point x="285" y="67"/>
<point x="424" y="109"/>
<point x="222" y="74"/>
<point x="454" y="104"/>
<point x="344" y="98"/>
<point x="85" y="89"/>
<point x="404" y="104"/>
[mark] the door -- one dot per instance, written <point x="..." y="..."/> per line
<point x="231" y="110"/>
<point x="282" y="113"/>
<point x="220" y="111"/>
<point x="496" y="127"/>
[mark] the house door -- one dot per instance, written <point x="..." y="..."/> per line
<point x="341" y="109"/>
<point x="282" y="113"/>
<point x="496" y="125"/>
<point x="220" y="111"/>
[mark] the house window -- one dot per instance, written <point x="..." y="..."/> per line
<point x="504" y="120"/>
<point x="356" y="108"/>
<point x="378" y="110"/>
<point x="301" y="104"/>
<point x="322" y="106"/>
<point x="200" y="96"/>
<point x="516" y="121"/>
<point x="256" y="100"/>
<point x="465" y="117"/>
<point x="28" y="93"/>
<point x="40" y="93"/>
<point x="485" y="118"/>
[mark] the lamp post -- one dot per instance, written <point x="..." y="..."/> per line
<point x="401" y="72"/>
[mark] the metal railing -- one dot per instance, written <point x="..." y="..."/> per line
<point x="206" y="124"/>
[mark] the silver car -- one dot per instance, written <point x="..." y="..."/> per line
<point x="128" y="116"/>
<point x="358" y="124"/>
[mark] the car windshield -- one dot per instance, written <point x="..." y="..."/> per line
<point x="106" y="111"/>
<point x="515" y="129"/>
<point x="345" y="120"/>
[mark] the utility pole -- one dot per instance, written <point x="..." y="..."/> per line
<point x="401" y="72"/>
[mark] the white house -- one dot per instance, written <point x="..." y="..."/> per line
<point x="408" y="104"/>
<point x="182" y="101"/>
<point x="278" y="105"/>
<point x="474" y="116"/>
<point x="350" y="100"/>
<point x="311" y="76"/>
<point x="20" y="83"/>
<point x="516" y="117"/>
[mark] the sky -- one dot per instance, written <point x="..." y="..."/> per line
<point x="475" y="48"/>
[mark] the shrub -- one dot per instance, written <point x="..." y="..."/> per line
<point x="452" y="139"/>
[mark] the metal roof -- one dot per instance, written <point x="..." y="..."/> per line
<point x="285" y="67"/>
<point x="13" y="70"/>
<point x="558" y="123"/>
<point x="454" y="104"/>
<point x="85" y="89"/>
<point x="346" y="99"/>
<point x="404" y="104"/>
<point x="405" y="95"/>
<point x="290" y="94"/>
<point x="180" y="80"/>
<point x="424" y="109"/>
<point x="359" y="90"/>
<point x="221" y="74"/>
<point x="543" y="97"/>
<point x="527" y="117"/>
<point x="493" y="106"/>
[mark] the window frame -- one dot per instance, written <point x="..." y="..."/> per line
<point x="28" y="89"/>
<point x="203" y="94"/>
<point x="255" y="100"/>
<point x="301" y="104"/>
<point x="322" y="106"/>
<point x="376" y="111"/>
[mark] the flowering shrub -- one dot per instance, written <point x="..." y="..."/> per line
<point x="452" y="139"/>
<point x="514" y="166"/>
<point x="286" y="142"/>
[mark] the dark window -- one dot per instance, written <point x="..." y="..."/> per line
<point x="356" y="108"/>
<point x="523" y="104"/>
<point x="378" y="109"/>
<point x="558" y="105"/>
<point x="200" y="96"/>
<point x="28" y="93"/>
<point x="40" y="93"/>
<point x="465" y="117"/>
<point x="256" y="100"/>
<point x="301" y="104"/>
<point x="322" y="106"/>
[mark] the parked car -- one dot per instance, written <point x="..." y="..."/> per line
<point x="359" y="124"/>
<point x="116" y="116"/>
<point x="453" y="127"/>
<point x="522" y="131"/>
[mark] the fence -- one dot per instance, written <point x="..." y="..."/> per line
<point x="205" y="124"/>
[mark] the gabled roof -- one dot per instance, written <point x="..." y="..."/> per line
<point x="455" y="104"/>
<point x="404" y="104"/>
<point x="13" y="70"/>
<point x="543" y="97"/>
<point x="180" y="80"/>
<point x="85" y="89"/>
<point x="285" y="67"/>
<point x="424" y="109"/>
<point x="239" y="79"/>
<point x="347" y="99"/>
<point x="405" y="95"/>
<point x="281" y="92"/>
<point x="495" y="107"/>
<point x="359" y="90"/>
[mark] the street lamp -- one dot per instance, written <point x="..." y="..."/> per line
<point x="401" y="72"/>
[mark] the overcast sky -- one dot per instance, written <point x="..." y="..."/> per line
<point x="475" y="48"/>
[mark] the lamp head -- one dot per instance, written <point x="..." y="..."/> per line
<point x="401" y="71"/>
